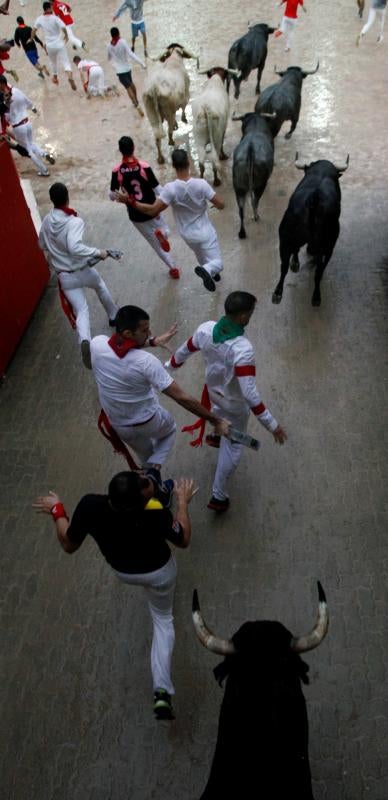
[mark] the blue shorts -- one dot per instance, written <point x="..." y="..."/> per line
<point x="136" y="27"/>
<point x="32" y="56"/>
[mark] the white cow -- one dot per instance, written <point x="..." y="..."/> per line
<point x="210" y="118"/>
<point x="167" y="89"/>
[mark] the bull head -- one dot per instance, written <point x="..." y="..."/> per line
<point x="300" y="644"/>
<point x="210" y="72"/>
<point x="303" y="165"/>
<point x="281" y="73"/>
<point x="170" y="49"/>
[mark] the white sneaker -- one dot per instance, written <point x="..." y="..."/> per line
<point x="380" y="38"/>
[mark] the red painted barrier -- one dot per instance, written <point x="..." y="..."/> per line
<point x="24" y="271"/>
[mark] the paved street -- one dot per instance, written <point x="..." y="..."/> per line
<point x="77" y="720"/>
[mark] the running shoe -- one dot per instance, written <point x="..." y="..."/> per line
<point x="163" y="705"/>
<point x="49" y="158"/>
<point x="218" y="505"/>
<point x="140" y="110"/>
<point x="55" y="79"/>
<point x="174" y="273"/>
<point x="163" y="241"/>
<point x="216" y="277"/>
<point x="213" y="440"/>
<point x="208" y="281"/>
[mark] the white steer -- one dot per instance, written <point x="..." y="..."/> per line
<point x="210" y="118"/>
<point x="167" y="89"/>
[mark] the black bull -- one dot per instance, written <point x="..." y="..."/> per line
<point x="284" y="99"/>
<point x="248" y="53"/>
<point x="262" y="742"/>
<point x="312" y="218"/>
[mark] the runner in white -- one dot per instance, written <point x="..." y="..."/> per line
<point x="121" y="55"/>
<point x="128" y="379"/>
<point x="377" y="10"/>
<point x="230" y="385"/>
<point x="188" y="198"/>
<point x="135" y="179"/>
<point x="61" y="237"/>
<point x="93" y="78"/>
<point x="19" y="105"/>
<point x="56" y="36"/>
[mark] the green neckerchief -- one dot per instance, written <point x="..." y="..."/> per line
<point x="226" y="329"/>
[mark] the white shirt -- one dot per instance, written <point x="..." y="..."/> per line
<point x="53" y="27"/>
<point x="120" y="55"/>
<point x="127" y="386"/>
<point x="61" y="236"/>
<point x="230" y="373"/>
<point x="188" y="200"/>
<point x="18" y="106"/>
<point x="86" y="65"/>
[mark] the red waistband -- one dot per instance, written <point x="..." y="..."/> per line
<point x="22" y="122"/>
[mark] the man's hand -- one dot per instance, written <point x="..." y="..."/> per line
<point x="185" y="490"/>
<point x="122" y="196"/>
<point x="114" y="19"/>
<point x="162" y="338"/>
<point x="45" y="504"/>
<point x="103" y="254"/>
<point x="279" y="435"/>
<point x="222" y="427"/>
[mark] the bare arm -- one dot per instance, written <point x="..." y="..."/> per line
<point x="45" y="505"/>
<point x="217" y="202"/>
<point x="184" y="491"/>
<point x="193" y="405"/>
<point x="152" y="210"/>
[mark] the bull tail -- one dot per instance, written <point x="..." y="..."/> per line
<point x="151" y="105"/>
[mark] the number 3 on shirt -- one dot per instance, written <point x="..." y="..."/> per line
<point x="137" y="189"/>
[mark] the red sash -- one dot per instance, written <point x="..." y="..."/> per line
<point x="118" y="446"/>
<point x="200" y="425"/>
<point x="66" y="306"/>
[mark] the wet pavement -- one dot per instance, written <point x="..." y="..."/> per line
<point x="77" y="722"/>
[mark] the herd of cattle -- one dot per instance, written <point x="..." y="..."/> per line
<point x="263" y="730"/>
<point x="312" y="216"/>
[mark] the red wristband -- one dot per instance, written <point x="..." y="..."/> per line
<point x="58" y="512"/>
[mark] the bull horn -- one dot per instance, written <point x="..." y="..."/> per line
<point x="277" y="71"/>
<point x="236" y="72"/>
<point x="158" y="58"/>
<point x="343" y="167"/>
<point x="318" y="633"/>
<point x="235" y="118"/>
<point x="311" y="71"/>
<point x="267" y="114"/>
<point x="298" y="164"/>
<point x="224" y="647"/>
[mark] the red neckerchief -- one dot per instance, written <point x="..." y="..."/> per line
<point x="133" y="162"/>
<point x="21" y="26"/>
<point x="121" y="346"/>
<point x="69" y="211"/>
<point x="115" y="39"/>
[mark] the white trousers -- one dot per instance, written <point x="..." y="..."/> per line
<point x="151" y="441"/>
<point x="96" y="84"/>
<point x="229" y="453"/>
<point x="58" y="58"/>
<point x="23" y="136"/>
<point x="287" y="26"/>
<point x="73" y="285"/>
<point x="373" y="13"/>
<point x="159" y="587"/>
<point x="72" y="38"/>
<point x="147" y="229"/>
<point x="207" y="251"/>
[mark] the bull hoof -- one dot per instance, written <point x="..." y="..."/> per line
<point x="242" y="234"/>
<point x="161" y="160"/>
<point x="223" y="156"/>
<point x="276" y="298"/>
<point x="175" y="126"/>
<point x="316" y="300"/>
<point x="216" y="182"/>
<point x="184" y="118"/>
<point x="236" y="95"/>
<point x="294" y="266"/>
<point x="288" y="135"/>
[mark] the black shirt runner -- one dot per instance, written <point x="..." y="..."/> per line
<point x="22" y="35"/>
<point x="130" y="543"/>
<point x="139" y="181"/>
